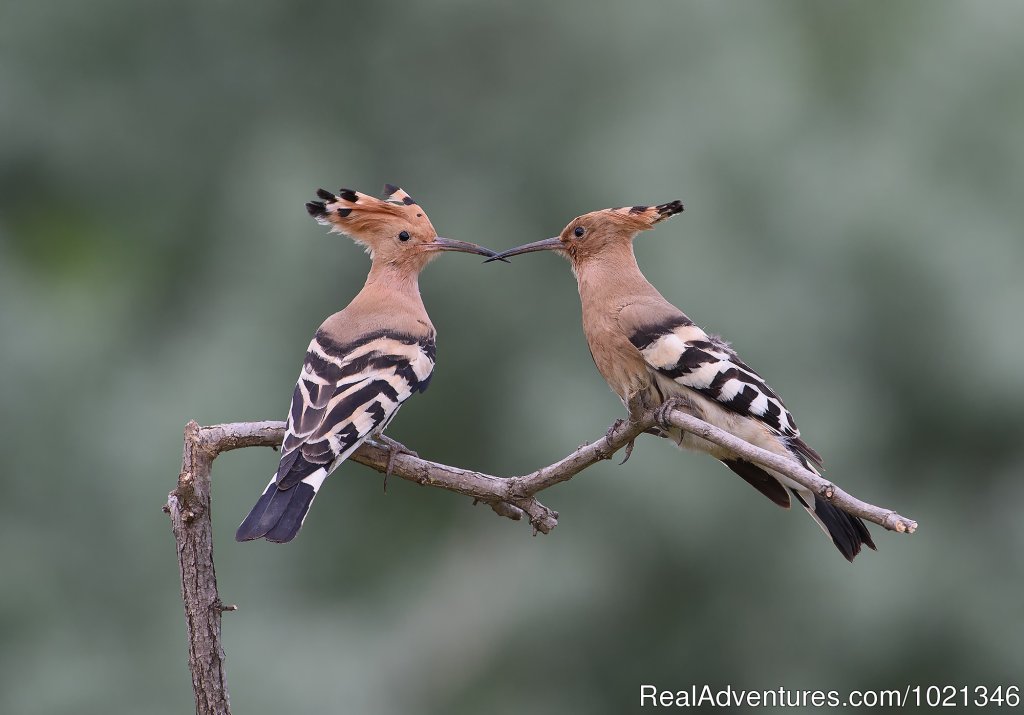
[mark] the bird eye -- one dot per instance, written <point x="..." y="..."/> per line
<point x="403" y="236"/>
<point x="579" y="231"/>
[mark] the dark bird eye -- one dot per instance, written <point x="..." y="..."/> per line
<point x="403" y="236"/>
<point x="579" y="231"/>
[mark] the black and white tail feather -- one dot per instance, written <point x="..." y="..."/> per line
<point x="717" y="386"/>
<point x="345" y="394"/>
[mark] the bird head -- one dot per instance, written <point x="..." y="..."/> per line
<point x="590" y="235"/>
<point x="394" y="229"/>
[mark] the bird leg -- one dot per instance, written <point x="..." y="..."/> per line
<point x="666" y="408"/>
<point x="615" y="425"/>
<point x="636" y="408"/>
<point x="608" y="436"/>
<point x="394" y="448"/>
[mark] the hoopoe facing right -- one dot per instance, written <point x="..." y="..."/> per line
<point x="363" y="362"/>
<point x="649" y="352"/>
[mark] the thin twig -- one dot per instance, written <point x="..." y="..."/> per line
<point x="822" y="487"/>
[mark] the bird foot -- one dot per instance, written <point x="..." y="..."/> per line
<point x="629" y="452"/>
<point x="615" y="425"/>
<point x="666" y="409"/>
<point x="608" y="435"/>
<point x="394" y="448"/>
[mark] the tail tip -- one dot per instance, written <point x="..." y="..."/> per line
<point x="848" y="532"/>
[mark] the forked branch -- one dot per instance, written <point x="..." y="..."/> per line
<point x="514" y="497"/>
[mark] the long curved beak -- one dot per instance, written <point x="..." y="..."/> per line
<point x="548" y="244"/>
<point x="450" y="244"/>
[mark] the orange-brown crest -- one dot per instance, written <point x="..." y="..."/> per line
<point x="369" y="220"/>
<point x="589" y="234"/>
<point x="395" y="230"/>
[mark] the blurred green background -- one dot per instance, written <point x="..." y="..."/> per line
<point x="852" y="177"/>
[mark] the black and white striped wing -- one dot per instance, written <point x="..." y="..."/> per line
<point x="345" y="393"/>
<point x="706" y="364"/>
<point x="682" y="352"/>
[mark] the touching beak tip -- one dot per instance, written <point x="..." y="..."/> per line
<point x="548" y="244"/>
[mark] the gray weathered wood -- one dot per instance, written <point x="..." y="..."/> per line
<point x="189" y="507"/>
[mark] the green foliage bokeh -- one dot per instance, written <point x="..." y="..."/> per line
<point x="851" y="173"/>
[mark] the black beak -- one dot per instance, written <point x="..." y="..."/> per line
<point x="450" y="244"/>
<point x="548" y="244"/>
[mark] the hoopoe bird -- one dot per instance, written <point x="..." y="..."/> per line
<point x="650" y="352"/>
<point x="364" y="362"/>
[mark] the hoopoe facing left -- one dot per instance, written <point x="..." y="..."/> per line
<point x="363" y="361"/>
<point x="649" y="352"/>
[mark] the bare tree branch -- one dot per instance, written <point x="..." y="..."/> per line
<point x="189" y="507"/>
<point x="481" y="487"/>
<point x="669" y="416"/>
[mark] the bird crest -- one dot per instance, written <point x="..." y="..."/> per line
<point x="365" y="218"/>
<point x="640" y="218"/>
<point x="396" y="195"/>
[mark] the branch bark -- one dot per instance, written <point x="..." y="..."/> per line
<point x="513" y="497"/>
<point x="669" y="416"/>
<point x="189" y="507"/>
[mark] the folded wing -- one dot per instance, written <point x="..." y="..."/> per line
<point x="345" y="393"/>
<point x="682" y="352"/>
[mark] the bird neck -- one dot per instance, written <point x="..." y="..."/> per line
<point x="397" y="277"/>
<point x="611" y="278"/>
<point x="392" y="285"/>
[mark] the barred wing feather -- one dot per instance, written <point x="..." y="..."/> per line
<point x="344" y="394"/>
<point x="706" y="364"/>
